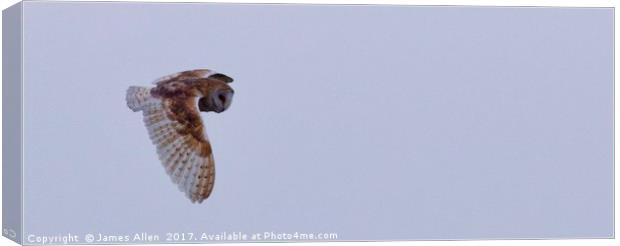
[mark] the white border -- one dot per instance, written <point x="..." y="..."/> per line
<point x="563" y="3"/>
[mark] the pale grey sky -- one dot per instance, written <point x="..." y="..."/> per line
<point x="375" y="122"/>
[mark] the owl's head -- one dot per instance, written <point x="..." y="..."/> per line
<point x="217" y="94"/>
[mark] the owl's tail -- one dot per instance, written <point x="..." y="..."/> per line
<point x="138" y="97"/>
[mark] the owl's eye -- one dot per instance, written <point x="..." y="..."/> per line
<point x="222" y="97"/>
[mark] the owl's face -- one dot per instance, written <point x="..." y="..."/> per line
<point x="217" y="97"/>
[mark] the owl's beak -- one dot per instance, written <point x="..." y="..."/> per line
<point x="218" y="101"/>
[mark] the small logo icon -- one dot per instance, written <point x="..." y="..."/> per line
<point x="9" y="233"/>
<point x="89" y="238"/>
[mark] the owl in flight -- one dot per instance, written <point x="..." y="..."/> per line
<point x="171" y="113"/>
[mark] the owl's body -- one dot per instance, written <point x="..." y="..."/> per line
<point x="171" y="113"/>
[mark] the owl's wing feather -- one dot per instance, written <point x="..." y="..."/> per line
<point x="177" y="131"/>
<point x="189" y="74"/>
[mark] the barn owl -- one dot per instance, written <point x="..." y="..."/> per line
<point x="170" y="112"/>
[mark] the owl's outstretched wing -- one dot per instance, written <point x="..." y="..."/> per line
<point x="177" y="131"/>
<point x="193" y="74"/>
